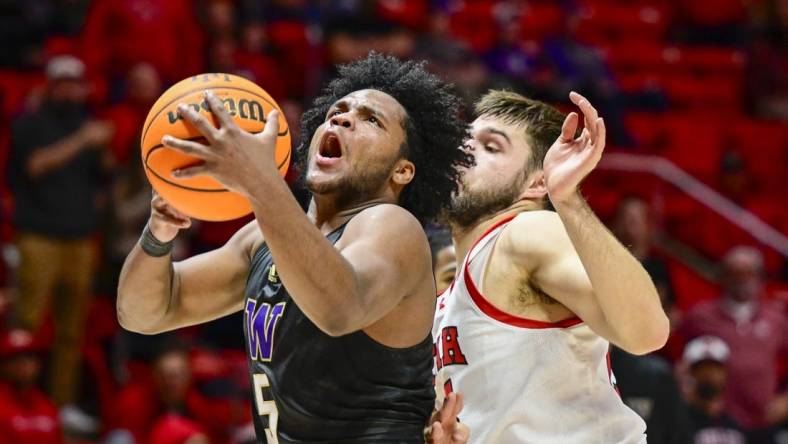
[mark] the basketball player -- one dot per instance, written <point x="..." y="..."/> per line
<point x="523" y="331"/>
<point x="338" y="303"/>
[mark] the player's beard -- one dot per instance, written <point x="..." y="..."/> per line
<point x="468" y="207"/>
<point x="361" y="185"/>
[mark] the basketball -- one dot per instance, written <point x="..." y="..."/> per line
<point x="202" y="197"/>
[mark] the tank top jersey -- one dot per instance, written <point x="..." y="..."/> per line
<point x="524" y="381"/>
<point x="311" y="387"/>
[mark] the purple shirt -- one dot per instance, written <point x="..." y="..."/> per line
<point x="755" y="347"/>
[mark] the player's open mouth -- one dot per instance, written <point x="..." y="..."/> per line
<point x="330" y="149"/>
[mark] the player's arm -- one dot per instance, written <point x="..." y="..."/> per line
<point x="384" y="257"/>
<point x="157" y="295"/>
<point x="384" y="253"/>
<point x="595" y="277"/>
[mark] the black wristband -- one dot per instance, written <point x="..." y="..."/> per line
<point x="152" y="246"/>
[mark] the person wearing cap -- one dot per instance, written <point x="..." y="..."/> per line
<point x="56" y="170"/>
<point x="705" y="359"/>
<point x="756" y="332"/>
<point x="27" y="415"/>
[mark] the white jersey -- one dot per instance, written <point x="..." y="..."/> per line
<point x="524" y="381"/>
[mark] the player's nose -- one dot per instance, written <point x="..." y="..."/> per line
<point x="344" y="120"/>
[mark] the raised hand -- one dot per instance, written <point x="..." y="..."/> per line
<point x="446" y="428"/>
<point x="234" y="157"/>
<point x="570" y="159"/>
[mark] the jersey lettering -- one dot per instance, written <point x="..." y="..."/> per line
<point x="449" y="352"/>
<point x="262" y="326"/>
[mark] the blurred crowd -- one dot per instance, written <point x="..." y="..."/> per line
<point x="704" y="84"/>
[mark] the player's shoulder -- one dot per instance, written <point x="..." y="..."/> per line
<point x="247" y="239"/>
<point x="386" y="218"/>
<point x="533" y="231"/>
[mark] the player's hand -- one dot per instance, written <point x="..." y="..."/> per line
<point x="236" y="158"/>
<point x="570" y="159"/>
<point x="165" y="220"/>
<point x="446" y="428"/>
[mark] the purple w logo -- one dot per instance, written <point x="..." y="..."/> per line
<point x="261" y="327"/>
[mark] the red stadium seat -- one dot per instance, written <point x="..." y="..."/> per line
<point x="689" y="286"/>
<point x="618" y="21"/>
<point x="474" y="24"/>
<point x="539" y="21"/>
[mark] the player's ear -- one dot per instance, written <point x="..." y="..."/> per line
<point x="536" y="187"/>
<point x="404" y="170"/>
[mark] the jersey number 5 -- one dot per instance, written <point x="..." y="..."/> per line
<point x="266" y="408"/>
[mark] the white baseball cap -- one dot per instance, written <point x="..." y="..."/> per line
<point x="65" y="67"/>
<point x="706" y="348"/>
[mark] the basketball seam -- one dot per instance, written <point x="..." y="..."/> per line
<point x="199" y="190"/>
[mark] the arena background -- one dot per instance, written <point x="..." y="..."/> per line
<point x="694" y="93"/>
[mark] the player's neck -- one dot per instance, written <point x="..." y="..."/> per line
<point x="464" y="237"/>
<point x="328" y="213"/>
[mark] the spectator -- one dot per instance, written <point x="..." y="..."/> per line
<point x="706" y="359"/>
<point x="634" y="226"/>
<point x="141" y="405"/>
<point x="648" y="387"/>
<point x="174" y="429"/>
<point x="27" y="415"/>
<point x="444" y="261"/>
<point x="581" y="68"/>
<point x="118" y="35"/>
<point x="56" y="170"/>
<point x="143" y="87"/>
<point x="756" y="330"/>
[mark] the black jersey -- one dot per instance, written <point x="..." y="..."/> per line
<point x="311" y="387"/>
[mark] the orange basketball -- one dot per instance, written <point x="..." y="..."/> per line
<point x="202" y="197"/>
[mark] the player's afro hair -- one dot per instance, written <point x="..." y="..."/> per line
<point x="434" y="131"/>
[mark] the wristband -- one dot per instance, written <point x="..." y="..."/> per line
<point x="152" y="246"/>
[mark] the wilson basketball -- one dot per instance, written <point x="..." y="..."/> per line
<point x="202" y="197"/>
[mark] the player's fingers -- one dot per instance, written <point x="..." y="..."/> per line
<point x="589" y="112"/>
<point x="191" y="171"/>
<point x="271" y="125"/>
<point x="601" y="132"/>
<point x="436" y="434"/>
<point x="446" y="413"/>
<point x="186" y="146"/>
<point x="218" y="110"/>
<point x="569" y="127"/>
<point x="460" y="404"/>
<point x="199" y="121"/>
<point x="171" y="219"/>
<point x="461" y="434"/>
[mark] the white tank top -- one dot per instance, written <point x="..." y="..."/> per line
<point x="524" y="381"/>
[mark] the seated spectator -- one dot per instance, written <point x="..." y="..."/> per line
<point x="118" y="35"/>
<point x="175" y="429"/>
<point x="140" y="406"/>
<point x="706" y="359"/>
<point x="634" y="226"/>
<point x="444" y="260"/>
<point x="755" y="330"/>
<point x="27" y="415"/>
<point x="143" y="87"/>
<point x="648" y="387"/>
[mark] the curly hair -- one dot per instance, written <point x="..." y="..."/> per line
<point x="433" y="129"/>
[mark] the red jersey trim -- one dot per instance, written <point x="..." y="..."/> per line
<point x="499" y="315"/>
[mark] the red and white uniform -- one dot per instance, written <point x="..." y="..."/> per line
<point x="524" y="381"/>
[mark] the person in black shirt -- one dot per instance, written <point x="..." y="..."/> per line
<point x="56" y="171"/>
<point x="338" y="303"/>
<point x="705" y="358"/>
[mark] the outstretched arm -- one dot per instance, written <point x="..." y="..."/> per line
<point x="585" y="266"/>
